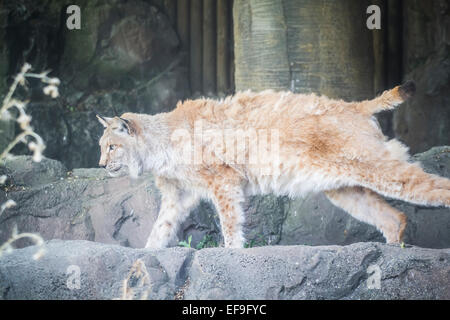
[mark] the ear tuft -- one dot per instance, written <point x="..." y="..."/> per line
<point x="101" y="120"/>
<point x="104" y="120"/>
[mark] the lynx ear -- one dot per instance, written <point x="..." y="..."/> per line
<point x="104" y="120"/>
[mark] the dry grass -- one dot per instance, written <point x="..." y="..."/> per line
<point x="136" y="283"/>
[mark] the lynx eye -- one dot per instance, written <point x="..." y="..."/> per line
<point x="112" y="147"/>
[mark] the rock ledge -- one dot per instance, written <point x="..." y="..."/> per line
<point x="272" y="272"/>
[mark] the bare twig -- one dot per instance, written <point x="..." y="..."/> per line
<point x="37" y="146"/>
<point x="18" y="79"/>
<point x="37" y="239"/>
<point x="138" y="278"/>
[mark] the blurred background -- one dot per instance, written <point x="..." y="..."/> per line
<point x="145" y="55"/>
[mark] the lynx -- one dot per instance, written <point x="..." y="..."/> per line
<point x="319" y="144"/>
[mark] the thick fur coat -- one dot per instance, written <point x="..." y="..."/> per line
<point x="270" y="142"/>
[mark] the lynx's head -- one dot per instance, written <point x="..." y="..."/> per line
<point x="118" y="147"/>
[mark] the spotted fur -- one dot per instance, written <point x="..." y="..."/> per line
<point x="322" y="145"/>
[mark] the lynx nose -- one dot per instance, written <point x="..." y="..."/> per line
<point x="102" y="164"/>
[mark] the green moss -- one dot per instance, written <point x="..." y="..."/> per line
<point x="207" y="242"/>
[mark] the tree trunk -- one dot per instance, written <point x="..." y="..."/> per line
<point x="379" y="50"/>
<point x="171" y="9"/>
<point x="319" y="46"/>
<point x="260" y="45"/>
<point x="196" y="47"/>
<point x="394" y="43"/>
<point x="223" y="56"/>
<point x="183" y="8"/>
<point x="209" y="47"/>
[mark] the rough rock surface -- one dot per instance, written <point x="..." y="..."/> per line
<point x="358" y="271"/>
<point x="102" y="269"/>
<point x="86" y="204"/>
<point x="82" y="204"/>
<point x="23" y="171"/>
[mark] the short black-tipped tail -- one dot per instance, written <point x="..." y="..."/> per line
<point x="407" y="90"/>
<point x="389" y="99"/>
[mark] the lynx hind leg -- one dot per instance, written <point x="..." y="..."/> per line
<point x="367" y="206"/>
<point x="397" y="150"/>
<point x="405" y="181"/>
<point x="175" y="207"/>
<point x="227" y="195"/>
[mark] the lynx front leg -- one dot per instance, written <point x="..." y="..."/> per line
<point x="175" y="207"/>
<point x="231" y="219"/>
<point x="367" y="206"/>
<point x="227" y="196"/>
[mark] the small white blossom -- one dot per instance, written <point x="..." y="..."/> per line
<point x="24" y="121"/>
<point x="51" y="90"/>
<point x="54" y="81"/>
<point x="37" y="151"/>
